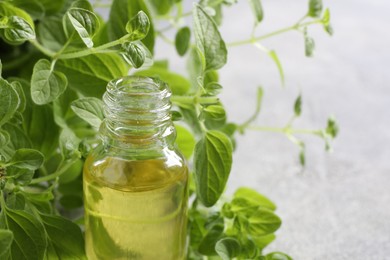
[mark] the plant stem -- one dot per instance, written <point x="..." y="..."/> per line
<point x="41" y="48"/>
<point x="297" y="26"/>
<point x="249" y="41"/>
<point x="100" y="49"/>
<point x="194" y="99"/>
<point x="54" y="175"/>
<point x="165" y="38"/>
<point x="286" y="130"/>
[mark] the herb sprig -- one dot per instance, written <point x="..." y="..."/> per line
<point x="56" y="59"/>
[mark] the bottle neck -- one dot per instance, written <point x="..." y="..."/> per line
<point x="137" y="114"/>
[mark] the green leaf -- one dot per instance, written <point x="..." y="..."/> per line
<point x="65" y="236"/>
<point x="27" y="159"/>
<point x="185" y="140"/>
<point x="136" y="53"/>
<point x="275" y="58"/>
<point x="178" y="84"/>
<point x="90" y="109"/>
<point x="9" y="101"/>
<point x="332" y="128"/>
<point x="6" y="237"/>
<point x="41" y="196"/>
<point x="18" y="140"/>
<point x="182" y="40"/>
<point x="69" y="144"/>
<point x="8" y="10"/>
<point x="215" y="116"/>
<point x="263" y="222"/>
<point x="33" y="7"/>
<point x="263" y="241"/>
<point x="162" y="7"/>
<point x="207" y="245"/>
<point x="37" y="121"/>
<point x="213" y="88"/>
<point x="298" y="106"/>
<point x="191" y="118"/>
<point x="209" y="40"/>
<point x="72" y="173"/>
<point x="248" y="248"/>
<point x="46" y="84"/>
<point x="51" y="6"/>
<point x="254" y="197"/>
<point x="277" y="256"/>
<point x="21" y="176"/>
<point x="257" y="9"/>
<point x="17" y="30"/>
<point x="121" y="12"/>
<point x="4" y="138"/>
<point x="194" y="67"/>
<point x="16" y="26"/>
<point x="309" y="44"/>
<point x="84" y="22"/>
<point x="51" y="33"/>
<point x="302" y="158"/>
<point x="326" y="22"/>
<point x="22" y="98"/>
<point x="138" y="26"/>
<point x="63" y="114"/>
<point x="213" y="160"/>
<point x="29" y="235"/>
<point x="89" y="75"/>
<point x="228" y="248"/>
<point x="83" y="4"/>
<point x="315" y="8"/>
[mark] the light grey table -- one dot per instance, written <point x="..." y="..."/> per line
<point x="339" y="206"/>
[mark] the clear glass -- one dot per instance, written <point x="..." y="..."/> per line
<point x="135" y="181"/>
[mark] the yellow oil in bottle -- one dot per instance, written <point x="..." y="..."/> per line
<point x="135" y="209"/>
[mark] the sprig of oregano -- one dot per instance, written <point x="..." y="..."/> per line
<point x="58" y="57"/>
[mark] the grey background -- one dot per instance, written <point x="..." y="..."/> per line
<point x="338" y="206"/>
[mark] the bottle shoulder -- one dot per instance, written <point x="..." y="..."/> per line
<point x="129" y="173"/>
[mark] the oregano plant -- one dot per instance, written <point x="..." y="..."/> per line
<point x="56" y="60"/>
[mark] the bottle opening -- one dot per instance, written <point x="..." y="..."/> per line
<point x="139" y="86"/>
<point x="137" y="108"/>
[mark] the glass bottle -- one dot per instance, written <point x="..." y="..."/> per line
<point x="135" y="180"/>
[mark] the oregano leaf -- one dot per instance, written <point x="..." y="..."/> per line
<point x="213" y="161"/>
<point x="298" y="106"/>
<point x="326" y="22"/>
<point x="275" y="58"/>
<point x="4" y="138"/>
<point x="263" y="222"/>
<point x="27" y="159"/>
<point x="9" y="101"/>
<point x="209" y="40"/>
<point x="277" y="256"/>
<point x="257" y="9"/>
<point x="182" y="40"/>
<point x="46" y="84"/>
<point x="228" y="248"/>
<point x="90" y="109"/>
<point x="138" y="26"/>
<point x="136" y="54"/>
<point x="6" y="238"/>
<point x="120" y="14"/>
<point x="254" y="197"/>
<point x="17" y="30"/>
<point x="309" y="44"/>
<point x="84" y="22"/>
<point x="29" y="235"/>
<point x="315" y="8"/>
<point x="65" y="236"/>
